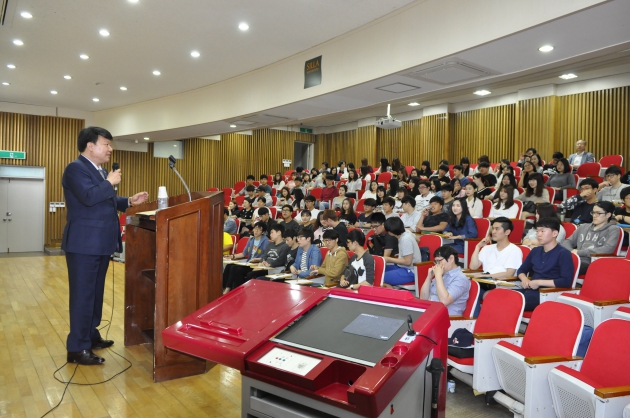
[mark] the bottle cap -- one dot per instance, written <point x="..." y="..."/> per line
<point x="162" y="192"/>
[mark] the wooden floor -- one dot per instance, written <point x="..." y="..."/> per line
<point x="33" y="330"/>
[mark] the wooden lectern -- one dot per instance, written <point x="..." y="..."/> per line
<point x="172" y="268"/>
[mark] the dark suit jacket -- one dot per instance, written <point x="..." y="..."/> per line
<point x="92" y="225"/>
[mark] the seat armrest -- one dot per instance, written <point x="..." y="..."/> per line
<point x="472" y="271"/>
<point x="510" y="279"/>
<point x="550" y="359"/>
<point x="461" y="318"/>
<point x="556" y="289"/>
<point x="423" y="263"/>
<point x="603" y="255"/>
<point x="613" y="392"/>
<point x="494" y="335"/>
<point x="610" y="302"/>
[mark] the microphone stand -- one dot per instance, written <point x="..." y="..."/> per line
<point x="171" y="164"/>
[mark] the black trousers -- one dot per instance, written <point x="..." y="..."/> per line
<point x="234" y="275"/>
<point x="86" y="278"/>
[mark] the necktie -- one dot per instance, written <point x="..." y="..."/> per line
<point x="102" y="171"/>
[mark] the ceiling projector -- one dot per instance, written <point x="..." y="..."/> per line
<point x="388" y="122"/>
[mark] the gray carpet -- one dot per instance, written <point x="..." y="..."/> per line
<point x="463" y="403"/>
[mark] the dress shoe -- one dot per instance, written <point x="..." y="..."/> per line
<point x="97" y="345"/>
<point x="85" y="357"/>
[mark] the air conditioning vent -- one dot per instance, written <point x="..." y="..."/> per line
<point x="449" y="73"/>
<point x="397" y="88"/>
<point x="265" y="118"/>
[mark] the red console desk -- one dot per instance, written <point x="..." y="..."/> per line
<point x="298" y="357"/>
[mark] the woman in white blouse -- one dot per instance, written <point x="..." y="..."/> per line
<point x="505" y="206"/>
<point x="371" y="192"/>
<point x="475" y="206"/>
<point x="354" y="184"/>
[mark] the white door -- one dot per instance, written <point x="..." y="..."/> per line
<point x="4" y="224"/>
<point x="24" y="214"/>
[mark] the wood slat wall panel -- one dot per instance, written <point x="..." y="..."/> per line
<point x="434" y="138"/>
<point x="536" y="126"/>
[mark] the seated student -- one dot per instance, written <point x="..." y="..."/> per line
<point x="309" y="203"/>
<point x="583" y="203"/>
<point x="399" y="270"/>
<point x="388" y="207"/>
<point x="436" y="187"/>
<point x="347" y="217"/>
<point x="246" y="217"/>
<point x="308" y="255"/>
<point x="227" y="244"/>
<point x="581" y="156"/>
<point x="442" y="174"/>
<point x="249" y="181"/>
<point x="622" y="214"/>
<point x="233" y="209"/>
<point x="381" y="243"/>
<point x="233" y="274"/>
<point x="328" y="193"/>
<point x="331" y="221"/>
<point x="360" y="269"/>
<point x="482" y="186"/>
<point x="261" y="202"/>
<point x="318" y="229"/>
<point x="265" y="217"/>
<point x="335" y="262"/>
<point x="475" y="206"/>
<point x="291" y="183"/>
<point x="535" y="192"/>
<point x="365" y="219"/>
<point x="284" y="197"/>
<point x="401" y="193"/>
<point x="250" y="192"/>
<point x="549" y="265"/>
<point x="424" y="198"/>
<point x="298" y="200"/>
<point x="598" y="237"/>
<point x="410" y="217"/>
<point x="552" y="167"/>
<point x="337" y="201"/>
<point x="278" y="183"/>
<point x="263" y="184"/>
<point x="610" y="190"/>
<point x="262" y="193"/>
<point x="432" y="219"/>
<point x="499" y="260"/>
<point x="229" y="225"/>
<point x="458" y="174"/>
<point x="290" y="237"/>
<point x="460" y="226"/>
<point x="298" y="185"/>
<point x="306" y="220"/>
<point x="354" y="184"/>
<point x="505" y="206"/>
<point x="445" y="282"/>
<point x="562" y="178"/>
<point x="544" y="210"/>
<point x="488" y="176"/>
<point x="274" y="257"/>
<point x="287" y="218"/>
<point x="506" y="180"/>
<point x="447" y="198"/>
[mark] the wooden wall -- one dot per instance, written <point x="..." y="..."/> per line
<point x="350" y="146"/>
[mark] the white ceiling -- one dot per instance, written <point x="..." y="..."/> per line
<point x="158" y="35"/>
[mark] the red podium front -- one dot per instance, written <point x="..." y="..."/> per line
<point x="304" y="349"/>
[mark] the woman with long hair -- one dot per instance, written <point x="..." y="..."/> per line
<point x="414" y="173"/>
<point x="458" y="190"/>
<point x="371" y="192"/>
<point x="278" y="183"/>
<point x="402" y="177"/>
<point x="353" y="183"/>
<point x="425" y="170"/>
<point x="544" y="210"/>
<point x="365" y="173"/>
<point x="436" y="187"/>
<point x="380" y="195"/>
<point x="475" y="207"/>
<point x="508" y="169"/>
<point x="507" y="180"/>
<point x="384" y="168"/>
<point x="563" y="179"/>
<point x="393" y="188"/>
<point x="460" y="226"/>
<point x="414" y="183"/>
<point x="285" y="197"/>
<point x="465" y="163"/>
<point x="337" y="201"/>
<point x="298" y="199"/>
<point x="528" y="168"/>
<point x="535" y="192"/>
<point x="335" y="173"/>
<point x="233" y="210"/>
<point x="348" y="217"/>
<point x="396" y="166"/>
<point x="505" y="206"/>
<point x="537" y="161"/>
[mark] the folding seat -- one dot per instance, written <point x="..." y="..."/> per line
<point x="498" y="320"/>
<point x="384" y="178"/>
<point x="487" y="208"/>
<point x="316" y="192"/>
<point x="420" y="270"/>
<point x="622" y="313"/>
<point x="599" y="386"/>
<point x="483" y="229"/>
<point x="227" y="195"/>
<point x="238" y="186"/>
<point x="212" y="189"/>
<point x="465" y="320"/>
<point x="608" y="160"/>
<point x="379" y="270"/>
<point x="569" y="228"/>
<point x="551" y="339"/>
<point x="606" y="288"/>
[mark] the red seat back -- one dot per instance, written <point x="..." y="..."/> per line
<point x="239" y="200"/>
<point x="569" y="228"/>
<point x="589" y="170"/>
<point x="316" y="192"/>
<point x="487" y="207"/>
<point x="227" y="195"/>
<point x="606" y="360"/>
<point x="483" y="226"/>
<point x="384" y="178"/>
<point x="433" y="242"/>
<point x="240" y="247"/>
<point x="360" y="207"/>
<point x="379" y="268"/>
<point x="608" y="160"/>
<point x="516" y="236"/>
<point x="367" y="236"/>
<point x="238" y="186"/>
<point x="409" y="169"/>
<point x="473" y="296"/>
<point x="501" y="311"/>
<point x="520" y="209"/>
<point x="551" y="193"/>
<point x="607" y="279"/>
<point x="554" y="329"/>
<point x="212" y="189"/>
<point x="324" y="251"/>
<point x="525" y="250"/>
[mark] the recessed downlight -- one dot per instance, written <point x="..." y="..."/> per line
<point x="414" y="104"/>
<point x="4" y="83"/>
<point x="11" y="66"/>
<point x="195" y="54"/>
<point x="67" y="77"/>
<point x="26" y="15"/>
<point x="482" y="92"/>
<point x="156" y="72"/>
<point x="53" y="91"/>
<point x="104" y="32"/>
<point x="133" y="1"/>
<point x="18" y="42"/>
<point x="232" y="126"/>
<point x="123" y="88"/>
<point x="95" y="99"/>
<point x="146" y="138"/>
<point x="545" y="48"/>
<point x="568" y="76"/>
<point x="84" y="56"/>
<point x="243" y="26"/>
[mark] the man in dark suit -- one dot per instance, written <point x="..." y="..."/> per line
<point x="91" y="235"/>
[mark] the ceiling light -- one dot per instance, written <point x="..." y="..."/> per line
<point x="568" y="76"/>
<point x="482" y="92"/>
<point x="545" y="48"/>
<point x="123" y="88"/>
<point x="26" y="15"/>
<point x="232" y="126"/>
<point x="104" y="32"/>
<point x="11" y="66"/>
<point x="133" y="1"/>
<point x="195" y="54"/>
<point x="146" y="138"/>
<point x="18" y="42"/>
<point x="243" y="26"/>
<point x="414" y="104"/>
<point x="4" y="83"/>
<point x="175" y="145"/>
<point x="95" y="99"/>
<point x="67" y="77"/>
<point x="53" y="91"/>
<point x="84" y="56"/>
<point x="156" y="72"/>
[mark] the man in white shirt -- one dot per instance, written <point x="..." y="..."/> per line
<point x="410" y="217"/>
<point x="309" y="203"/>
<point x="423" y="199"/>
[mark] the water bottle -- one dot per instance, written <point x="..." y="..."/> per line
<point x="162" y="198"/>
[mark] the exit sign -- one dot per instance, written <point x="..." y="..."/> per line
<point x="306" y="130"/>
<point x="15" y="155"/>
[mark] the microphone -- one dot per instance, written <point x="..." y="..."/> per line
<point x="171" y="164"/>
<point x="115" y="167"/>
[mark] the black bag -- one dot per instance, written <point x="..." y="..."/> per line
<point x="529" y="207"/>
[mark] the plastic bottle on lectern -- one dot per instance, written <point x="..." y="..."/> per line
<point x="162" y="198"/>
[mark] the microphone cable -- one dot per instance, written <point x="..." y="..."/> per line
<point x="69" y="382"/>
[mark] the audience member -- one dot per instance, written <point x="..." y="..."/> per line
<point x="433" y="219"/>
<point x="384" y="167"/>
<point x="489" y="179"/>
<point x="365" y="219"/>
<point x="506" y="180"/>
<point x="475" y="206"/>
<point x="425" y="170"/>
<point x="354" y="184"/>
<point x="424" y="198"/>
<point x="233" y="209"/>
<point x="249" y="181"/>
<point x="330" y="220"/>
<point x="399" y="270"/>
<point x="228" y="245"/>
<point x="460" y="226"/>
<point x="436" y="186"/>
<point x="580" y="156"/>
<point x="246" y="216"/>
<point x="466" y="171"/>
<point x="360" y="269"/>
<point x="445" y="282"/>
<point x="410" y="217"/>
<point x="341" y="196"/>
<point x="347" y="217"/>
<point x="335" y="261"/>
<point x="388" y="207"/>
<point x="552" y="167"/>
<point x="278" y="183"/>
<point x="298" y="199"/>
<point x="381" y="243"/>
<point x="234" y="274"/>
<point x="505" y="206"/>
<point x="284" y="197"/>
<point x="264" y="179"/>
<point x="447" y="197"/>
<point x="582" y="204"/>
<point x="229" y="225"/>
<point x="610" y="190"/>
<point x="482" y="186"/>
<point x="537" y="163"/>
<point x="371" y="192"/>
<point x="535" y="192"/>
<point x="526" y="156"/>
<point x="458" y="174"/>
<point x="500" y="260"/>
<point x="274" y="258"/>
<point x="287" y="218"/>
<point x="290" y="237"/>
<point x="309" y="203"/>
<point x="307" y="256"/>
<point x="528" y="168"/>
<point x="544" y="210"/>
<point x="562" y="178"/>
